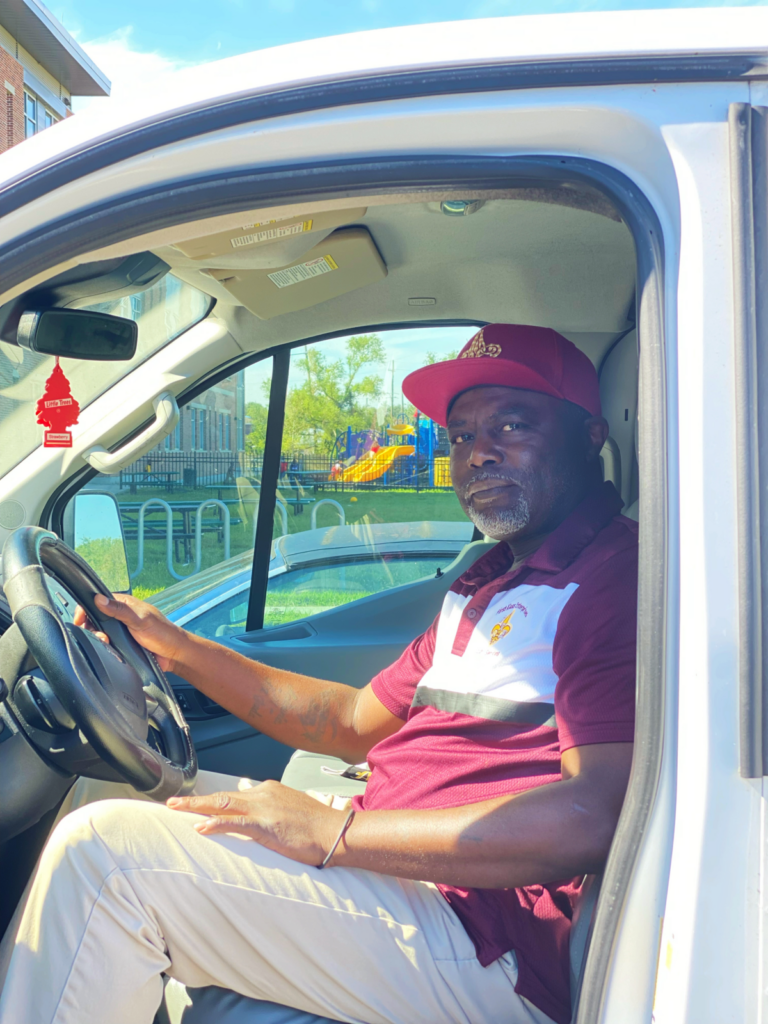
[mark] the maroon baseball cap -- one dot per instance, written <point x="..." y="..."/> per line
<point x="512" y="356"/>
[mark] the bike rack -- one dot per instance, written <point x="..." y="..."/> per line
<point x="198" y="534"/>
<point x="215" y="503"/>
<point x="210" y="502"/>
<point x="327" y="501"/>
<point x="168" y="537"/>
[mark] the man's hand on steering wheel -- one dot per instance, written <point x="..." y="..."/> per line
<point x="148" y="626"/>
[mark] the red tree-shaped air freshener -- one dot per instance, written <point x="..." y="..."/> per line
<point x="58" y="410"/>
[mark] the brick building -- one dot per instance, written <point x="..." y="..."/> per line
<point x="41" y="68"/>
<point x="212" y="422"/>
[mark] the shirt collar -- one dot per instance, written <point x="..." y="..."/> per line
<point x="561" y="547"/>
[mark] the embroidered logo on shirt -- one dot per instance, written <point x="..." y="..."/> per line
<point x="477" y="347"/>
<point x="502" y="628"/>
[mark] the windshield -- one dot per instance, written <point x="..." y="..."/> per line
<point x="162" y="312"/>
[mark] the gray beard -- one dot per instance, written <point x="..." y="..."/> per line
<point x="505" y="522"/>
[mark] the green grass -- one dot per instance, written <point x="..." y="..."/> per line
<point x="361" y="506"/>
<point x="282" y="608"/>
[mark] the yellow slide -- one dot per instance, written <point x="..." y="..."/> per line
<point x="375" y="464"/>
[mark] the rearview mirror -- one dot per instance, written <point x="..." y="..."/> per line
<point x="77" y="334"/>
<point x="93" y="528"/>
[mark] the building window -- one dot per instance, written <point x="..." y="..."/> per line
<point x="198" y="429"/>
<point x="36" y="116"/>
<point x="30" y="114"/>
<point x="173" y="440"/>
<point x="225" y="432"/>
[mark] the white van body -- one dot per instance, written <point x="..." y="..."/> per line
<point x="664" y="99"/>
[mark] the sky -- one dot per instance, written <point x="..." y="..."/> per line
<point x="136" y="44"/>
<point x="406" y="351"/>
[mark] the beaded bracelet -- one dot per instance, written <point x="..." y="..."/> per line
<point x="339" y="837"/>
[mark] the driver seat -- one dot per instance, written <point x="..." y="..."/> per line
<point x="213" y="1005"/>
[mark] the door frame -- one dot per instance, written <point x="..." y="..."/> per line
<point x="172" y="203"/>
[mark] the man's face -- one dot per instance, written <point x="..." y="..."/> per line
<point x="520" y="460"/>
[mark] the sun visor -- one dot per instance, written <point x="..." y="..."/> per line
<point x="341" y="263"/>
<point x="252" y="238"/>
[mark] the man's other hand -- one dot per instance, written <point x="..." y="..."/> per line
<point x="276" y="816"/>
<point x="148" y="626"/>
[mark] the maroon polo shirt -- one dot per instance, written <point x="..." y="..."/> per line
<point x="519" y="666"/>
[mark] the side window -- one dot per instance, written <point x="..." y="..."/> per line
<point x="364" y="498"/>
<point x="188" y="507"/>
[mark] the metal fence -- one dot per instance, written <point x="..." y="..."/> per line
<point x="383" y="469"/>
<point x="190" y="470"/>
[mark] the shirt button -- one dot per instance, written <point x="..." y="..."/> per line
<point x="471" y="614"/>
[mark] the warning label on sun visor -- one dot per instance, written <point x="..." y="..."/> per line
<point x="270" y="234"/>
<point x="303" y="272"/>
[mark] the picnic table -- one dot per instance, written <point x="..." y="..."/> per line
<point x="148" y="478"/>
<point x="219" y="488"/>
<point x="297" y="502"/>
<point x="129" y="513"/>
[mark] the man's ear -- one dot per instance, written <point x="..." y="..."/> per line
<point x="597" y="431"/>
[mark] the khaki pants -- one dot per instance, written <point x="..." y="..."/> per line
<point x="127" y="890"/>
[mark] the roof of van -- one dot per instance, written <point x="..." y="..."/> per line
<point x="472" y="43"/>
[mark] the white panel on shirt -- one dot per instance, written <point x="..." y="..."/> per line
<point x="517" y="664"/>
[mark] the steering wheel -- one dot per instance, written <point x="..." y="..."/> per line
<point x="115" y="698"/>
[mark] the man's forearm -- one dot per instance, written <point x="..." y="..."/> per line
<point x="300" y="711"/>
<point x="559" y="830"/>
<point x="544" y="835"/>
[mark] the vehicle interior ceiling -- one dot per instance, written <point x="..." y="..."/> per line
<point x="557" y="257"/>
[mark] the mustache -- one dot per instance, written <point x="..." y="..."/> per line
<point x="485" y="475"/>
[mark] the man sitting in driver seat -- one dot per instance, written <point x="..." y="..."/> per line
<point x="500" y="744"/>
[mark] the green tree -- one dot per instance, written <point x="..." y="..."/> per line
<point x="335" y="394"/>
<point x="432" y="358"/>
<point x="256" y="439"/>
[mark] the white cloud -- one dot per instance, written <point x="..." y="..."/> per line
<point x="133" y="73"/>
<point x="501" y="8"/>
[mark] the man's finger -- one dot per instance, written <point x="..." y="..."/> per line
<point x="116" y="608"/>
<point x="80" y="618"/>
<point x="214" y="803"/>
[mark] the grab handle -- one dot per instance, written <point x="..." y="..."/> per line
<point x="166" y="418"/>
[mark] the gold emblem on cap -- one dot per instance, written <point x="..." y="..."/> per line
<point x="477" y="348"/>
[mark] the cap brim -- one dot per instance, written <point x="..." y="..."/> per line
<point x="432" y="388"/>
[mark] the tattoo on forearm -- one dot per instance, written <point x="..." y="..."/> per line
<point x="278" y="703"/>
<point x="319" y="719"/>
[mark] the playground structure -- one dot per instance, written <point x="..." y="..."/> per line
<point x="366" y="456"/>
